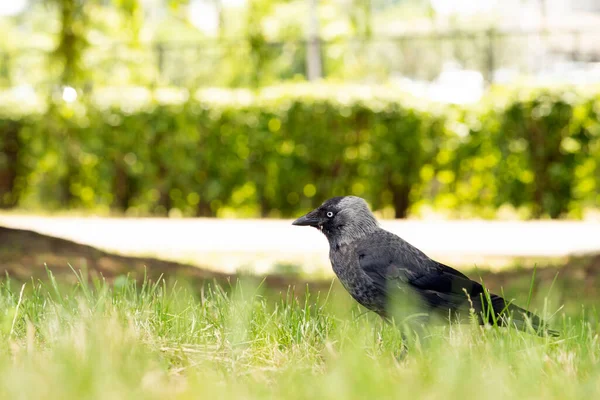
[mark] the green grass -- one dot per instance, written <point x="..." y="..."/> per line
<point x="168" y="340"/>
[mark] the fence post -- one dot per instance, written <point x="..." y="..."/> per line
<point x="5" y="68"/>
<point x="160" y="60"/>
<point x="9" y="150"/>
<point x="490" y="59"/>
<point x="576" y="52"/>
<point x="313" y="50"/>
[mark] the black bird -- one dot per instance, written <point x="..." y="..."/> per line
<point x="380" y="270"/>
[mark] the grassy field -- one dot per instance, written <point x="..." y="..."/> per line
<point x="170" y="340"/>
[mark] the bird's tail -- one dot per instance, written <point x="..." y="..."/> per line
<point x="504" y="313"/>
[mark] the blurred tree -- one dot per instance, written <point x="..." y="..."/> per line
<point x="361" y="18"/>
<point x="134" y="13"/>
<point x="76" y="20"/>
<point x="260" y="52"/>
<point x="72" y="40"/>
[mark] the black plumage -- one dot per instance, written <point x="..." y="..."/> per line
<point x="389" y="276"/>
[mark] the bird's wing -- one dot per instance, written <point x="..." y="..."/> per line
<point x="391" y="262"/>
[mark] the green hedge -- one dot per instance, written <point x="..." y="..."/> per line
<point x="285" y="149"/>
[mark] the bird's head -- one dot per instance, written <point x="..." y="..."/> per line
<point x="341" y="219"/>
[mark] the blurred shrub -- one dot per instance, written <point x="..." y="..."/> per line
<point x="282" y="150"/>
<point x="536" y="150"/>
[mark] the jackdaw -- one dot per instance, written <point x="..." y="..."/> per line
<point x="379" y="268"/>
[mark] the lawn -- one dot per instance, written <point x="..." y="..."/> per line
<point x="166" y="339"/>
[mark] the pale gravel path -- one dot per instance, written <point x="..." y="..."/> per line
<point x="258" y="244"/>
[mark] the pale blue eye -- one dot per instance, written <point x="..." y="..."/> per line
<point x="329" y="214"/>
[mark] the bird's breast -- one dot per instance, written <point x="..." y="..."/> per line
<point x="346" y="266"/>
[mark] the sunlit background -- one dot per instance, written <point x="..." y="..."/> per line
<point x="153" y="154"/>
<point x="430" y="47"/>
<point x="431" y="110"/>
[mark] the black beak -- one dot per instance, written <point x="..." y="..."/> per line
<point x="309" y="219"/>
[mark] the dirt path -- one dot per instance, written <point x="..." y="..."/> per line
<point x="228" y="245"/>
<point x="25" y="254"/>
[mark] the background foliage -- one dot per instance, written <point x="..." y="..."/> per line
<point x="283" y="149"/>
<point x="97" y="43"/>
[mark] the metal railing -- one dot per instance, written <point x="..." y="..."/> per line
<point x="237" y="62"/>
